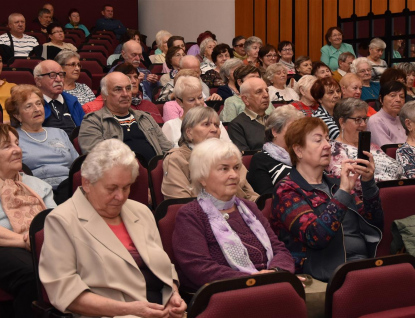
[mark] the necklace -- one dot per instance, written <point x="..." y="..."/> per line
<point x="46" y="137"/>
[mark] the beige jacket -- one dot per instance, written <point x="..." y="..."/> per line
<point x="80" y="252"/>
<point x="176" y="178"/>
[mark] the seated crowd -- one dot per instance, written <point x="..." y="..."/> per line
<point x="206" y="107"/>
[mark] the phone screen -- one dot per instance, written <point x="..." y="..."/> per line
<point x="364" y="145"/>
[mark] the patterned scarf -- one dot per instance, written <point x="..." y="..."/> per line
<point x="278" y="153"/>
<point x="231" y="245"/>
<point x="20" y="203"/>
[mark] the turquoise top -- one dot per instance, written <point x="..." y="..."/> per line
<point x="330" y="55"/>
<point x="80" y="26"/>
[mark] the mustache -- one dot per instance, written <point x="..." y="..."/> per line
<point x="57" y="84"/>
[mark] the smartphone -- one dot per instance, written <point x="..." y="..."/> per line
<point x="364" y="145"/>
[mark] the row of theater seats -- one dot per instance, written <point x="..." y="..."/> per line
<point x="381" y="287"/>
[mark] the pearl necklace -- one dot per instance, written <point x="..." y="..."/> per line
<point x="46" y="137"/>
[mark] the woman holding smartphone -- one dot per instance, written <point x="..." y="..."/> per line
<point x="350" y="115"/>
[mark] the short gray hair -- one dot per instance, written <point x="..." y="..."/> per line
<point x="279" y="118"/>
<point x="377" y="43"/>
<point x="186" y="83"/>
<point x="407" y="67"/>
<point x="305" y="82"/>
<point x="193" y="117"/>
<point x="63" y="56"/>
<point x="343" y="57"/>
<point x="204" y="44"/>
<point x="348" y="78"/>
<point x="159" y="36"/>
<point x="407" y="112"/>
<point x="37" y="70"/>
<point x="104" y="87"/>
<point x="225" y="70"/>
<point x="205" y="155"/>
<point x="106" y="155"/>
<point x="357" y="62"/>
<point x="250" y="41"/>
<point x="271" y="71"/>
<point x="345" y="107"/>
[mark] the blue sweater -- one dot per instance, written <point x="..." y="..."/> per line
<point x="75" y="108"/>
<point x="49" y="160"/>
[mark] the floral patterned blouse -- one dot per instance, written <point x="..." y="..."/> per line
<point x="386" y="168"/>
<point x="405" y="156"/>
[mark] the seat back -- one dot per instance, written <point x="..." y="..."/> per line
<point x="24" y="62"/>
<point x="78" y="32"/>
<point x="85" y="77"/>
<point x="103" y="42"/>
<point x="95" y="47"/>
<point x="269" y="295"/>
<point x="264" y="203"/>
<point x="92" y="65"/>
<point x="155" y="176"/>
<point x="247" y="157"/>
<point x="165" y="216"/>
<point x="396" y="198"/>
<point x="96" y="55"/>
<point x="18" y="75"/>
<point x="139" y="189"/>
<point x="75" y="179"/>
<point x="390" y="149"/>
<point x="370" y="286"/>
<point x="156" y="68"/>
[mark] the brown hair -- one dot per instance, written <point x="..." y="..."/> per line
<point x="330" y="31"/>
<point x="170" y="53"/>
<point x="297" y="132"/>
<point x="5" y="129"/>
<point x="126" y="68"/>
<point x="18" y="95"/>
<point x="319" y="87"/>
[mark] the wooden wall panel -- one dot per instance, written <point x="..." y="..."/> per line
<point x="411" y="5"/>
<point x="286" y="21"/>
<point x="396" y="6"/>
<point x="345" y="8"/>
<point x="244" y="19"/>
<point x="316" y="40"/>
<point x="301" y="28"/>
<point x="272" y="22"/>
<point x="362" y="7"/>
<point x="259" y="20"/>
<point x="379" y="6"/>
<point x="330" y="14"/>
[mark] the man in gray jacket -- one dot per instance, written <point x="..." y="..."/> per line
<point x="117" y="120"/>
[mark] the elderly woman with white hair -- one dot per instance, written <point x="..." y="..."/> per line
<point x="306" y="103"/>
<point x="188" y="93"/>
<point x="162" y="37"/>
<point x="376" y="48"/>
<point x="276" y="78"/>
<point x="98" y="230"/>
<point x="273" y="162"/>
<point x="71" y="65"/>
<point x="226" y="73"/>
<point x="199" y="124"/>
<point x="206" y="50"/>
<point x="363" y="68"/>
<point x="252" y="46"/>
<point x="405" y="155"/>
<point x="219" y="235"/>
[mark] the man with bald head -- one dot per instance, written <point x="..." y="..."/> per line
<point x="188" y="62"/>
<point x="21" y="44"/>
<point x="132" y="53"/>
<point x="247" y="130"/>
<point x="62" y="110"/>
<point x="116" y="119"/>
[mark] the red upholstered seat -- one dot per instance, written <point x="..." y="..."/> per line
<point x="406" y="312"/>
<point x="24" y="62"/>
<point x="264" y="203"/>
<point x="91" y="54"/>
<point x="396" y="197"/>
<point x="390" y="149"/>
<point x="266" y="296"/>
<point x="155" y="169"/>
<point x="18" y="75"/>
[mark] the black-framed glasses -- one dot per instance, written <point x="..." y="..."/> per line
<point x="53" y="75"/>
<point x="74" y="65"/>
<point x="359" y="120"/>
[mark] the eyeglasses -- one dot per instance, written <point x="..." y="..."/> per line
<point x="287" y="50"/>
<point x="74" y="65"/>
<point x="57" y="32"/>
<point x="368" y="70"/>
<point x="239" y="45"/>
<point x="53" y="75"/>
<point x="359" y="120"/>
<point x="271" y="56"/>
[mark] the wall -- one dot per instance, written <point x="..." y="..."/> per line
<point x="272" y="20"/>
<point x="188" y="18"/>
<point x="124" y="10"/>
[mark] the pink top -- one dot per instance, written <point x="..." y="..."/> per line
<point x="172" y="110"/>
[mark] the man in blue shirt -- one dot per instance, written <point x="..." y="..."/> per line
<point x="107" y="23"/>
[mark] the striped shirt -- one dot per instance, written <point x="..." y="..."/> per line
<point x="329" y="121"/>
<point x="23" y="46"/>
